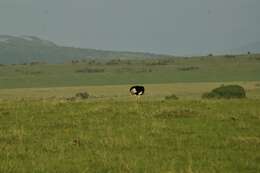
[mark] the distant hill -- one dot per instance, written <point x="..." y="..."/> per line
<point x="26" y="49"/>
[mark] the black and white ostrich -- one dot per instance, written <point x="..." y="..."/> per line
<point x="137" y="90"/>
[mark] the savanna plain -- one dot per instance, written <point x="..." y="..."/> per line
<point x="46" y="128"/>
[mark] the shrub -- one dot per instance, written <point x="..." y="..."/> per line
<point x="188" y="68"/>
<point x="90" y="70"/>
<point x="227" y="92"/>
<point x="82" y="95"/>
<point x="171" y="97"/>
<point x="114" y="62"/>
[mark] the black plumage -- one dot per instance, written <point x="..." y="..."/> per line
<point x="137" y="90"/>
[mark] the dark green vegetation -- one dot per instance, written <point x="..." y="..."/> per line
<point x="171" y="97"/>
<point x="120" y="71"/>
<point x="226" y="92"/>
<point x="112" y="136"/>
<point x="83" y="95"/>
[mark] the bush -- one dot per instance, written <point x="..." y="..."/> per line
<point x="82" y="95"/>
<point x="171" y="97"/>
<point x="91" y="70"/>
<point x="227" y="92"/>
<point x="188" y="68"/>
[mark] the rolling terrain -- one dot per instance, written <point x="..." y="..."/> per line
<point x="44" y="129"/>
<point x="27" y="49"/>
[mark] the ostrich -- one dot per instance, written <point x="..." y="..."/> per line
<point x="137" y="90"/>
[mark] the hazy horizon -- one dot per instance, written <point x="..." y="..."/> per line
<point x="165" y="27"/>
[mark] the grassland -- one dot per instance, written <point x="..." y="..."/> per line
<point x="42" y="131"/>
<point x="191" y="90"/>
<point x="122" y="72"/>
<point x="126" y="136"/>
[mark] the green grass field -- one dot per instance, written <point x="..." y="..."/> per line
<point x="42" y="131"/>
<point x="154" y="71"/>
<point x="126" y="136"/>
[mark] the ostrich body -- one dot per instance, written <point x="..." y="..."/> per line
<point x="137" y="90"/>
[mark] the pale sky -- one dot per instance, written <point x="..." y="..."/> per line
<point x="159" y="26"/>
